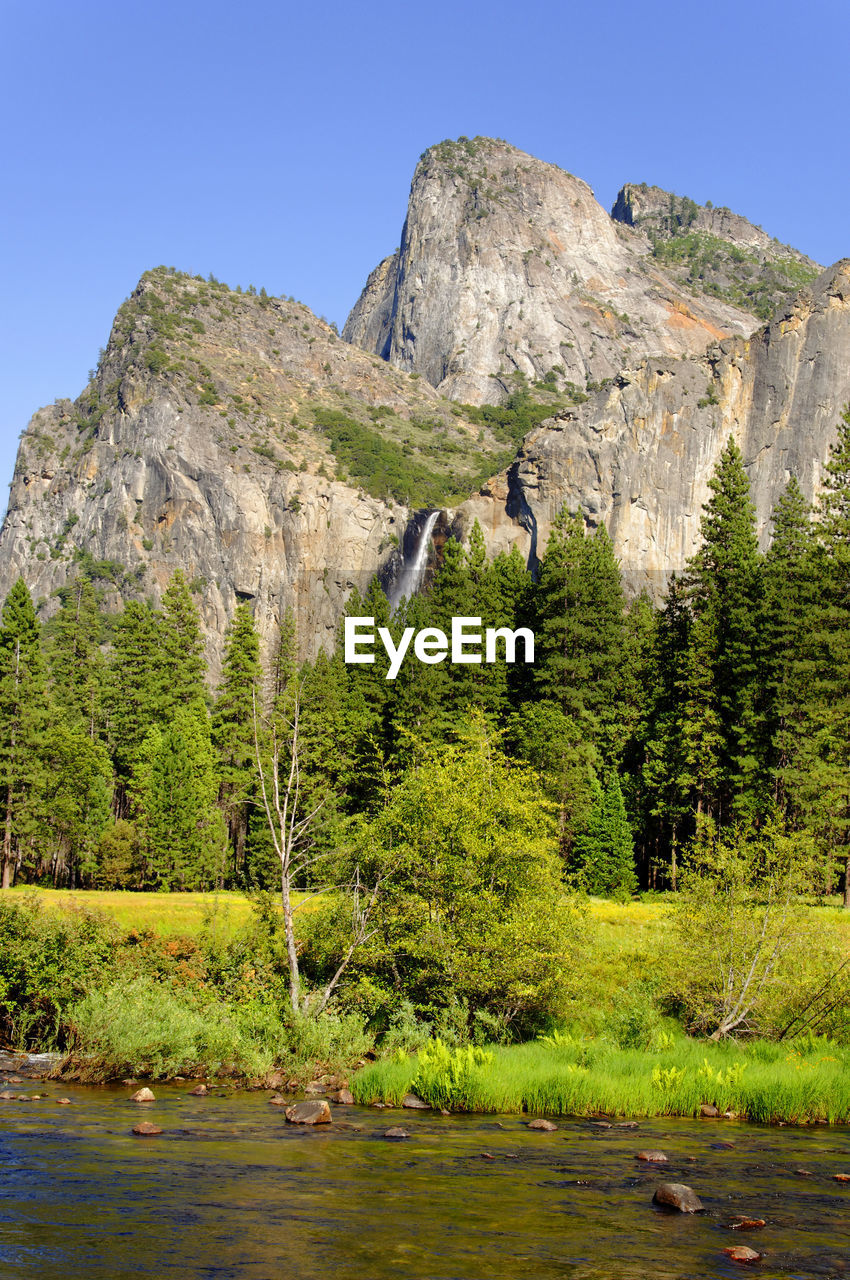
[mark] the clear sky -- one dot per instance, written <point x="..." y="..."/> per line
<point x="273" y="144"/>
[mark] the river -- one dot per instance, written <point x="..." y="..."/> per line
<point x="231" y="1190"/>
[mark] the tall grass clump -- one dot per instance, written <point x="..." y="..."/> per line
<point x="563" y="1075"/>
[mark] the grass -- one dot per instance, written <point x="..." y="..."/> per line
<point x="765" y="1083"/>
<point x="168" y="915"/>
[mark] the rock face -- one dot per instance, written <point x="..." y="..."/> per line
<point x="507" y="265"/>
<point x="714" y="251"/>
<point x="196" y="446"/>
<point x="638" y="456"/>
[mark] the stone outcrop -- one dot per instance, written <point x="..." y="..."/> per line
<point x="509" y="265"/>
<point x="713" y="250"/>
<point x="638" y="456"/>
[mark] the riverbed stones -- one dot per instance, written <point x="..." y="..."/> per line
<point x="63" y="1102"/>
<point x="652" y="1157"/>
<point x="841" y="1177"/>
<point x="545" y="1126"/>
<point x="199" y="1091"/>
<point x="396" y="1132"/>
<point x="740" y="1253"/>
<point x="748" y="1224"/>
<point x="675" y="1195"/>
<point x="277" y="1101"/>
<point x="146" y="1129"/>
<point x="143" y="1095"/>
<point x="708" y="1111"/>
<point x="344" y="1096"/>
<point x="315" y="1086"/>
<point x="317" y="1112"/>
<point x="7" y="1095"/>
<point x="413" y="1103"/>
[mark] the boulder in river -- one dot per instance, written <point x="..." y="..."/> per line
<point x="708" y="1111"/>
<point x="344" y="1096"/>
<point x="546" y="1125"/>
<point x="652" y="1157"/>
<point x="146" y="1129"/>
<point x="143" y="1095"/>
<point x="7" y="1095"/>
<point x="315" y="1086"/>
<point x="63" y="1102"/>
<point x="316" y="1112"/>
<point x="748" y="1224"/>
<point x="413" y="1103"/>
<point x="740" y="1253"/>
<point x="396" y="1132"/>
<point x="675" y="1195"/>
<point x="841" y="1177"/>
<point x="277" y="1101"/>
<point x="199" y="1091"/>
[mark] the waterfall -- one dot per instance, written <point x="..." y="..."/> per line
<point x="412" y="572"/>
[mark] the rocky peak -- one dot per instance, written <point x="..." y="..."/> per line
<point x="509" y="265"/>
<point x="713" y="251"/>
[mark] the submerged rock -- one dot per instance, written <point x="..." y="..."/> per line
<point x="146" y="1129"/>
<point x="317" y="1112"/>
<point x="748" y="1224"/>
<point x="413" y="1103"/>
<point x="545" y="1125"/>
<point x="396" y="1132"/>
<point x="7" y="1095"/>
<point x="143" y="1095"/>
<point x="344" y="1096"/>
<point x="63" y="1102"/>
<point x="675" y="1195"/>
<point x="841" y="1177"/>
<point x="652" y="1157"/>
<point x="277" y="1101"/>
<point x="199" y="1091"/>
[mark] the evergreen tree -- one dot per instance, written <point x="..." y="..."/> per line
<point x="603" y="857"/>
<point x="580" y="629"/>
<point x="182" y="666"/>
<point x="725" y="722"/>
<point x="134" y="695"/>
<point x="74" y="658"/>
<point x="175" y="790"/>
<point x="23" y="722"/>
<point x="232" y="729"/>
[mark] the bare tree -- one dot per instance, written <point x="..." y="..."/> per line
<point x="291" y="828"/>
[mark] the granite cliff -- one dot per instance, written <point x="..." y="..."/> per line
<point x="240" y="438"/>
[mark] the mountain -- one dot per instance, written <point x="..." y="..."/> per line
<point x="237" y="437"/>
<point x="521" y="350"/>
<point x="509" y="265"/>
<point x="638" y="455"/>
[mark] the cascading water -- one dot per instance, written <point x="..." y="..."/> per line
<point x="412" y="572"/>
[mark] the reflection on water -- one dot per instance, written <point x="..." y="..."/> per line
<point x="231" y="1190"/>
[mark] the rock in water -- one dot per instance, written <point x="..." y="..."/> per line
<point x="317" y="1112"/>
<point x="146" y="1129"/>
<point x="344" y="1096"/>
<point x="652" y="1157"/>
<point x="143" y="1095"/>
<point x="414" y="1104"/>
<point x="740" y="1253"/>
<point x="675" y="1195"/>
<point x="545" y="1125"/>
<point x="396" y="1132"/>
<point x="199" y="1091"/>
<point x="748" y="1224"/>
<point x="708" y="1111"/>
<point x="63" y="1102"/>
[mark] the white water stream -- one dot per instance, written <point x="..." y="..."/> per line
<point x="412" y="573"/>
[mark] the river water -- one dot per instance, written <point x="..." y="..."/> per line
<point x="231" y="1190"/>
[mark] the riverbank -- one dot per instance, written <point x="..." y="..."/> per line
<point x="801" y="1082"/>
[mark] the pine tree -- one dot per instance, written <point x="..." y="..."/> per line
<point x="74" y="658"/>
<point x="182" y="666"/>
<point x="232" y="729"/>
<point x="725" y="722"/>
<point x="581" y="629"/>
<point x="23" y="722"/>
<point x="825" y="790"/>
<point x="603" y="856"/>
<point x="134" y="688"/>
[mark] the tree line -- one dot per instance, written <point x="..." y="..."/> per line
<point x="726" y="704"/>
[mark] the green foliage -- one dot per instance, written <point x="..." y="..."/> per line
<point x="444" y="1076"/>
<point x="603" y="853"/>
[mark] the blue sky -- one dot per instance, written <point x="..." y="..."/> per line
<point x="274" y="145"/>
